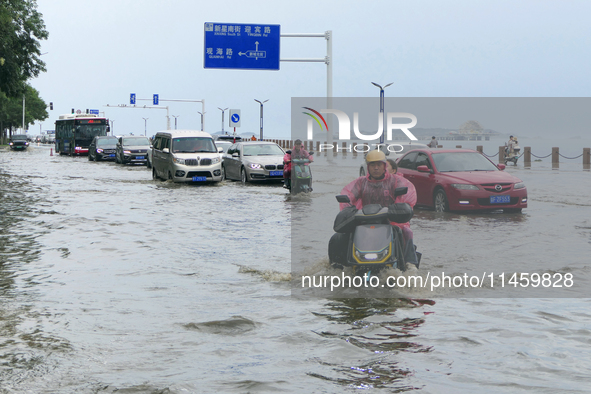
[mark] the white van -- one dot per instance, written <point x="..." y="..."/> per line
<point x="185" y="156"/>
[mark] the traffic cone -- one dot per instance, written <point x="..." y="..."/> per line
<point x="51" y="152"/>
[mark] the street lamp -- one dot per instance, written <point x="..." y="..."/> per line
<point x="261" y="103"/>
<point x="222" y="118"/>
<point x="202" y="119"/>
<point x="175" y="117"/>
<point x="145" y="126"/>
<point x="382" y="109"/>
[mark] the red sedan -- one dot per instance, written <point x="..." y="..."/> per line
<point x="461" y="180"/>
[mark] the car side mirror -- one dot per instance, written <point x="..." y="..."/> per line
<point x="166" y="150"/>
<point x="343" y="199"/>
<point x="220" y="149"/>
<point x="235" y="154"/>
<point x="423" y="168"/>
<point x="501" y="166"/>
<point x="288" y="152"/>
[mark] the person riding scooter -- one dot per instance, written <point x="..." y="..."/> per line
<point x="298" y="152"/>
<point x="378" y="187"/>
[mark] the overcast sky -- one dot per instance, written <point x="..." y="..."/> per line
<point x="98" y="52"/>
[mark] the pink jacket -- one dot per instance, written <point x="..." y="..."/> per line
<point x="363" y="191"/>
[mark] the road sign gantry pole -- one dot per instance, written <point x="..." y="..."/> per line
<point x="328" y="61"/>
<point x="144" y="107"/>
<point x="186" y="101"/>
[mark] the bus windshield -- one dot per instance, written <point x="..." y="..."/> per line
<point x="89" y="131"/>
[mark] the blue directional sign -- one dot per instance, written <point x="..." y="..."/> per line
<point x="234" y="118"/>
<point x="132" y="98"/>
<point x="93" y="111"/>
<point x="155" y="99"/>
<point x="241" y="46"/>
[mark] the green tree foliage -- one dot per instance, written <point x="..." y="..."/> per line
<point x="21" y="28"/>
<point x="11" y="109"/>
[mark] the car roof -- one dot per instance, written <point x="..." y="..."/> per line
<point x="227" y="137"/>
<point x="183" y="133"/>
<point x="257" y="143"/>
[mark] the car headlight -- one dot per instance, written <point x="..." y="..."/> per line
<point x="127" y="152"/>
<point x="519" y="185"/>
<point x="255" y="166"/>
<point x="10" y="143"/>
<point x="463" y="186"/>
<point x="99" y="150"/>
<point x="215" y="160"/>
<point x="178" y="160"/>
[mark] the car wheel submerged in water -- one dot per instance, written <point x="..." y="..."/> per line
<point x="223" y="170"/>
<point x="243" y="176"/>
<point x="440" y="201"/>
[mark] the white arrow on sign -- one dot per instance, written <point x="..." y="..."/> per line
<point x="256" y="53"/>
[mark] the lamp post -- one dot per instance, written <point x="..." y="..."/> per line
<point x="202" y="119"/>
<point x="112" y="130"/>
<point x="222" y="118"/>
<point x="175" y="118"/>
<point x="261" y="103"/>
<point x="382" y="109"/>
<point x="145" y="126"/>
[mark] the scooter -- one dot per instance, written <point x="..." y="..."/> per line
<point x="301" y="176"/>
<point x="512" y="156"/>
<point x="365" y="239"/>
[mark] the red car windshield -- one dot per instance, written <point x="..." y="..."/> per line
<point x="462" y="161"/>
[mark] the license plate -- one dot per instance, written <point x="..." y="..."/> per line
<point x="199" y="179"/>
<point x="112" y="155"/>
<point x="276" y="173"/>
<point x="500" y="199"/>
<point x="139" y="157"/>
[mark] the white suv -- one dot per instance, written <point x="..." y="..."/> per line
<point x="185" y="156"/>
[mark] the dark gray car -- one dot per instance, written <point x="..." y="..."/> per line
<point x="132" y="150"/>
<point x="102" y="148"/>
<point x="18" y="142"/>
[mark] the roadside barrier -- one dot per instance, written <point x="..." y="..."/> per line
<point x="354" y="149"/>
<point x="555" y="153"/>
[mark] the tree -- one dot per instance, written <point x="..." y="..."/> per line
<point x="21" y="28"/>
<point x="11" y="109"/>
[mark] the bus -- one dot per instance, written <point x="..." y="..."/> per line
<point x="75" y="132"/>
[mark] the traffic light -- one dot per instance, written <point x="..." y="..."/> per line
<point x="51" y="106"/>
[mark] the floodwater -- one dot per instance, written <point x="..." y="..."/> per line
<point x="112" y="282"/>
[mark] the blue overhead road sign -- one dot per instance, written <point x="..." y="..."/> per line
<point x="155" y="99"/>
<point x="241" y="46"/>
<point x="132" y="98"/>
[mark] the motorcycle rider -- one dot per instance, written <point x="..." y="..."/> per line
<point x="298" y="152"/>
<point x="510" y="145"/>
<point x="378" y="187"/>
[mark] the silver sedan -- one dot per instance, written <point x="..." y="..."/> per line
<point x="253" y="161"/>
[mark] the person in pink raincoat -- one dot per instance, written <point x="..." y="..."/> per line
<point x="298" y="152"/>
<point x="378" y="187"/>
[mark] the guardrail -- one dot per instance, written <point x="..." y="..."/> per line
<point x="355" y="149"/>
<point x="527" y="155"/>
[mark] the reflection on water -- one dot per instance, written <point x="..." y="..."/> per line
<point x="373" y="326"/>
<point x="111" y="282"/>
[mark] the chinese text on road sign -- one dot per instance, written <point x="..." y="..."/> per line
<point x="241" y="46"/>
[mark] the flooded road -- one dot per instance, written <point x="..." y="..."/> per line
<point x="112" y="282"/>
